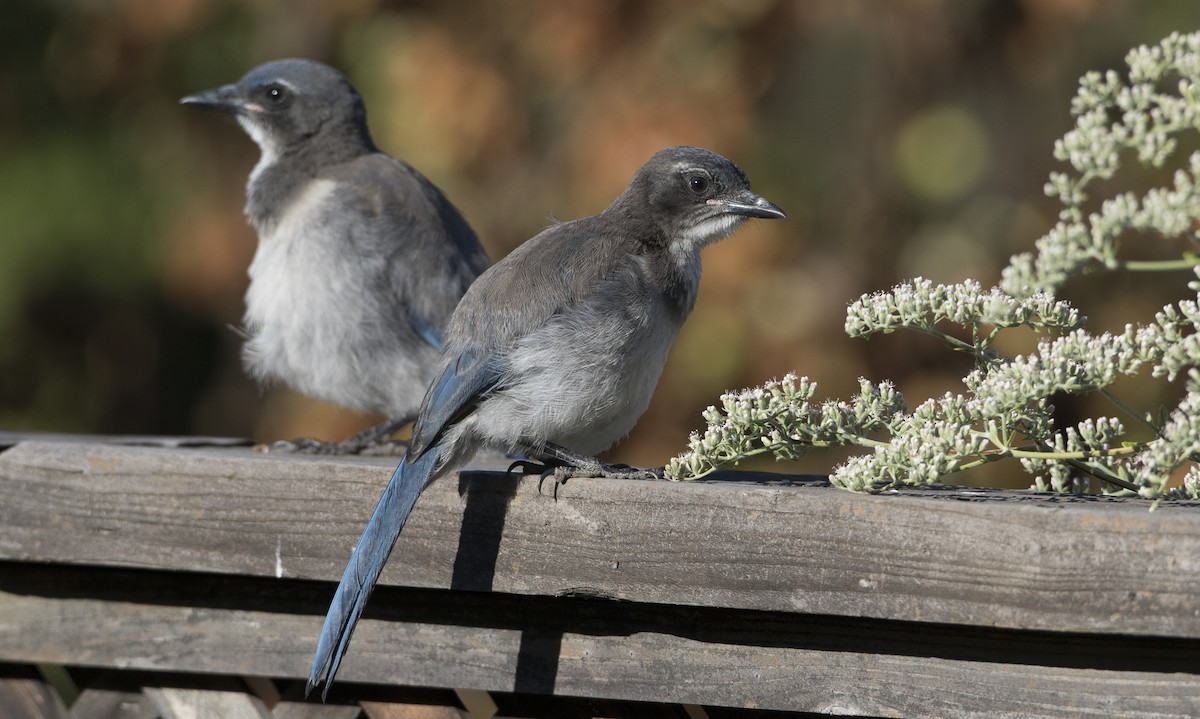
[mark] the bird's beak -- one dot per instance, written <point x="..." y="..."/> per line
<point x="223" y="99"/>
<point x="750" y="205"/>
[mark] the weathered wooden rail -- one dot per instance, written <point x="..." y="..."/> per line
<point x="150" y="572"/>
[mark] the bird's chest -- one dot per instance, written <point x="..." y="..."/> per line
<point x="589" y="374"/>
<point x="301" y="289"/>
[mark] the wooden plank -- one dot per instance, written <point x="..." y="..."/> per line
<point x="313" y="710"/>
<point x="393" y="710"/>
<point x="185" y="703"/>
<point x="104" y="703"/>
<point x="478" y="703"/>
<point x="592" y="648"/>
<point x="28" y="697"/>
<point x="9" y="438"/>
<point x="949" y="556"/>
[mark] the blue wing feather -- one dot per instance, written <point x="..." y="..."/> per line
<point x="463" y="382"/>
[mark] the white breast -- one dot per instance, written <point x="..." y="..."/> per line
<point x="308" y="308"/>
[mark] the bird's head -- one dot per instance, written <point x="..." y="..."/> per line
<point x="287" y="102"/>
<point x="696" y="196"/>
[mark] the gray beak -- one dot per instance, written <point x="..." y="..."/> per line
<point x="750" y="205"/>
<point x="223" y="99"/>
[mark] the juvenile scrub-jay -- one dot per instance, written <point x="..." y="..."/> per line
<point x="360" y="260"/>
<point x="555" y="351"/>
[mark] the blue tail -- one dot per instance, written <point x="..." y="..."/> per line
<point x="366" y="563"/>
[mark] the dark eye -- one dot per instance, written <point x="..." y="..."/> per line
<point x="276" y="93"/>
<point x="698" y="183"/>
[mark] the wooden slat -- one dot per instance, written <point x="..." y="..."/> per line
<point x="182" y="703"/>
<point x="975" y="558"/>
<point x="592" y="648"/>
<point x="313" y="710"/>
<point x="9" y="438"/>
<point x="392" y="710"/>
<point x="27" y="697"/>
<point x="478" y="703"/>
<point x="106" y="703"/>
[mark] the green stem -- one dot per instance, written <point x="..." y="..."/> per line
<point x="1121" y="451"/>
<point x="954" y="342"/>
<point x="1139" y="418"/>
<point x="1156" y="265"/>
<point x="1102" y="474"/>
<point x="847" y="440"/>
<point x="1070" y="457"/>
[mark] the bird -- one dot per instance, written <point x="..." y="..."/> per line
<point x="360" y="258"/>
<point x="554" y="352"/>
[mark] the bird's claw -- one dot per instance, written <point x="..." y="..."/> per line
<point x="305" y="445"/>
<point x="395" y="448"/>
<point x="544" y="472"/>
<point x="527" y="467"/>
<point x="300" y="445"/>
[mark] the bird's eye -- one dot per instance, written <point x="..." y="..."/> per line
<point x="698" y="183"/>
<point x="276" y="93"/>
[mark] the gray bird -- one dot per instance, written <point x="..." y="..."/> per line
<point x="554" y="352"/>
<point x="361" y="259"/>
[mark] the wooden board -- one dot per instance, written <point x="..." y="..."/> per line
<point x="763" y="542"/>
<point x="28" y="697"/>
<point x="571" y="646"/>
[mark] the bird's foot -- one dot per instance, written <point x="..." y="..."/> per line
<point x="301" y="445"/>
<point x="372" y="441"/>
<point x="606" y="471"/>
<point x="395" y="448"/>
<point x="306" y="445"/>
<point x="560" y="473"/>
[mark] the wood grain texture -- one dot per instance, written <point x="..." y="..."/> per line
<point x="312" y="710"/>
<point x="106" y="703"/>
<point x="766" y="543"/>
<point x="569" y="646"/>
<point x="387" y="710"/>
<point x="183" y="703"/>
<point x="27" y="697"/>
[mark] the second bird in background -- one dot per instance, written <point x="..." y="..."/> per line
<point x="361" y="260"/>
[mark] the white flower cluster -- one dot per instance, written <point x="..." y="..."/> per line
<point x="1006" y="412"/>
<point x="1074" y="246"/>
<point x="921" y="305"/>
<point x="1179" y="351"/>
<point x="1112" y="117"/>
<point x="933" y="441"/>
<point x="1190" y="488"/>
<point x="1075" y="363"/>
<point x="1091" y="436"/>
<point x="1179" y="442"/>
<point x="780" y="418"/>
<point x="1007" y="400"/>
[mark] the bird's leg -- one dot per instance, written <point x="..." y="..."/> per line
<point x="375" y="440"/>
<point x="371" y="441"/>
<point x="561" y="464"/>
<point x="568" y="464"/>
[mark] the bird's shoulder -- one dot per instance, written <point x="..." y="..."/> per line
<point x="409" y="207"/>
<point x="558" y="269"/>
<point x="382" y="181"/>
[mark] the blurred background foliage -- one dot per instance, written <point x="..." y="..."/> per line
<point x="903" y="138"/>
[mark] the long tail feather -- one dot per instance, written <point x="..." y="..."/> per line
<point x="366" y="563"/>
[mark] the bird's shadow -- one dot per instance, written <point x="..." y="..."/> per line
<point x="487" y="498"/>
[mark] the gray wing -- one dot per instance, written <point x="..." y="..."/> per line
<point x="427" y="253"/>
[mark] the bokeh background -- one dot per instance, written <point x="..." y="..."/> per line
<point x="903" y="138"/>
